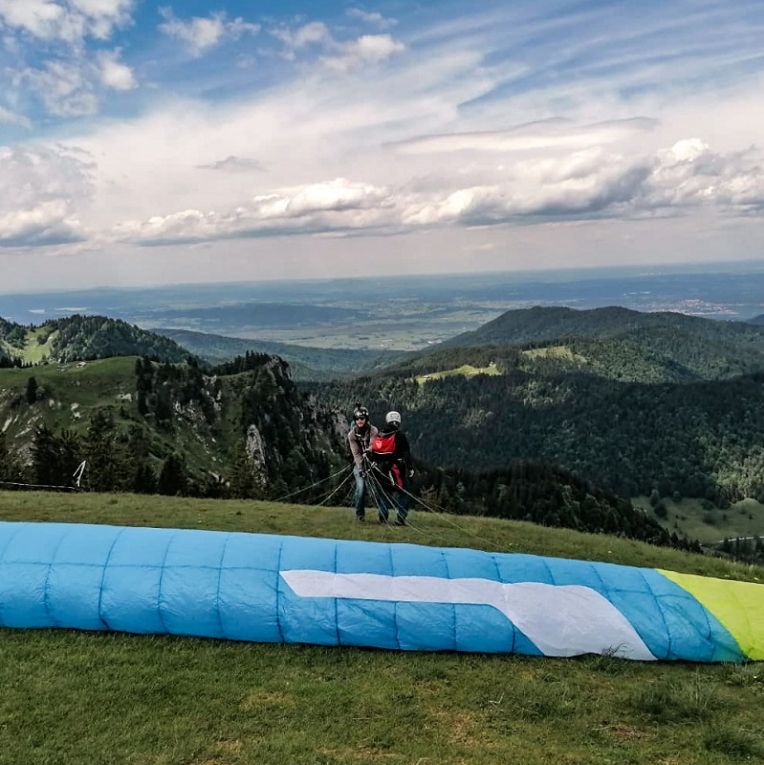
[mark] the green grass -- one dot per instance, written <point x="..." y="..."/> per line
<point x="68" y="393"/>
<point x="106" y="698"/>
<point x="692" y="518"/>
<point x="33" y="351"/>
<point x="555" y="352"/>
<point x="466" y="370"/>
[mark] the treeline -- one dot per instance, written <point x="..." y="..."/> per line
<point x="115" y="461"/>
<point x="12" y="362"/>
<point x="703" y="439"/>
<point x="542" y="494"/>
<point x="162" y="387"/>
<point x="86" y="338"/>
<point x="97" y="337"/>
<point x="13" y="334"/>
<point x="746" y="549"/>
<point x="249" y="361"/>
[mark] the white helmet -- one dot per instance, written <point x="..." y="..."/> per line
<point x="393" y="417"/>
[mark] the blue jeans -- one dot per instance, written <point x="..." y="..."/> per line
<point x="359" y="498"/>
<point x="389" y="498"/>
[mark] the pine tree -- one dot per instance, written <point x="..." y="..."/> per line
<point x="144" y="480"/>
<point x="9" y="469"/>
<point x="173" y="480"/>
<point x="101" y="453"/>
<point x="31" y="392"/>
<point x="242" y="477"/>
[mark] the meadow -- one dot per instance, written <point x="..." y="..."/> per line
<point x="122" y="699"/>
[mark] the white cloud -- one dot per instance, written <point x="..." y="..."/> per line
<point x="336" y="205"/>
<point x="338" y="56"/>
<point x="200" y="34"/>
<point x="114" y="73"/>
<point x="548" y="134"/>
<point x="371" y="17"/>
<point x="64" y="87"/>
<point x="69" y="87"/>
<point x="690" y="173"/>
<point x="594" y="184"/>
<point x="11" y="118"/>
<point x="39" y="191"/>
<point x="68" y="21"/>
<point x="367" y="49"/>
<point x="583" y="185"/>
<point x="312" y="33"/>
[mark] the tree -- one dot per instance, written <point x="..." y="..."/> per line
<point x="144" y="480"/>
<point x="45" y="457"/>
<point x="242" y="477"/>
<point x="9" y="469"/>
<point x="172" y="479"/>
<point x="31" y="390"/>
<point x="100" y="451"/>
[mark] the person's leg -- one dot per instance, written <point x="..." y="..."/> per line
<point x="359" y="498"/>
<point x="402" y="504"/>
<point x="383" y="505"/>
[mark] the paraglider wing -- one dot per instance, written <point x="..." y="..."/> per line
<point x="268" y="588"/>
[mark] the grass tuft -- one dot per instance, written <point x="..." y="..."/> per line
<point x="734" y="742"/>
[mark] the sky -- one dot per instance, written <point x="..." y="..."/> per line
<point x="149" y="143"/>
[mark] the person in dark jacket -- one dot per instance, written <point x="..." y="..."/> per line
<point x="391" y="456"/>
<point x="359" y="440"/>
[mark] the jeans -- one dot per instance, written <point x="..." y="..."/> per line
<point x="359" y="498"/>
<point x="389" y="497"/>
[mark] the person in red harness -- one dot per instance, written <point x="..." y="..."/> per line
<point x="390" y="457"/>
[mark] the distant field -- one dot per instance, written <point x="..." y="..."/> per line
<point x="466" y="370"/>
<point x="74" y="698"/>
<point x="690" y="517"/>
<point x="555" y="352"/>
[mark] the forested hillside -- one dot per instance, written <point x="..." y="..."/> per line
<point x="145" y="426"/>
<point x="84" y="338"/>
<point x="244" y="430"/>
<point x="700" y="439"/>
<point x="663" y="331"/>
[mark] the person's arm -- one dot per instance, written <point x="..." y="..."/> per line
<point x="402" y="444"/>
<point x="355" y="449"/>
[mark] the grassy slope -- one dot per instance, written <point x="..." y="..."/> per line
<point x="74" y="387"/>
<point x="466" y="370"/>
<point x="32" y="351"/>
<point x="74" y="697"/>
<point x="689" y="517"/>
<point x="74" y="391"/>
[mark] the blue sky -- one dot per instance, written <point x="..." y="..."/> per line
<point x="146" y="142"/>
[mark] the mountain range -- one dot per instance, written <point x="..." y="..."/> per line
<point x="633" y="403"/>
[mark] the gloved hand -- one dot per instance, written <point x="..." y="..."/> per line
<point x="362" y="473"/>
<point x="411" y="473"/>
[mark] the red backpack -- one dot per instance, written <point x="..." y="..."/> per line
<point x="382" y="447"/>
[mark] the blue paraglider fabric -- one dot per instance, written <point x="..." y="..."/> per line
<point x="275" y="589"/>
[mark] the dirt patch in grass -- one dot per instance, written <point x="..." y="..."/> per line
<point x="463" y="728"/>
<point x="626" y="732"/>
<point x="263" y="698"/>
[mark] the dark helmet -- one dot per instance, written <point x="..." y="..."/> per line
<point x="360" y="411"/>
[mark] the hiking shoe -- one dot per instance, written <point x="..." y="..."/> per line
<point x="360" y="519"/>
<point x="382" y="520"/>
<point x="400" y="522"/>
